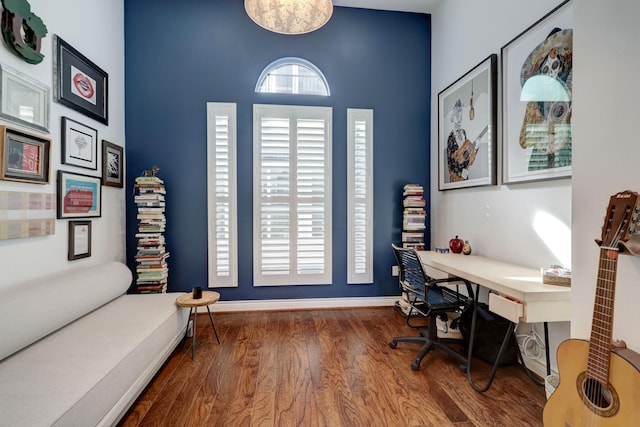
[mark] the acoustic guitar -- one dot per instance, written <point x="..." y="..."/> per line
<point x="600" y="379"/>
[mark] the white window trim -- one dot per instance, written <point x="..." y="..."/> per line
<point x="293" y="112"/>
<point x="353" y="277"/>
<point x="217" y="109"/>
<point x="269" y="69"/>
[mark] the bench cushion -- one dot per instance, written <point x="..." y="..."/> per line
<point x="89" y="369"/>
<point x="34" y="309"/>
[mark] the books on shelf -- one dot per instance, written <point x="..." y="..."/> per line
<point x="152" y="270"/>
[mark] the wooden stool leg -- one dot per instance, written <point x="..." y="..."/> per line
<point x="212" y="324"/>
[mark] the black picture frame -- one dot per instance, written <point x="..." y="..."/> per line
<point x="79" y="83"/>
<point x="79" y="240"/>
<point x="467" y="128"/>
<point x="79" y="144"/>
<point x="79" y="196"/>
<point x="112" y="164"/>
<point x="536" y="144"/>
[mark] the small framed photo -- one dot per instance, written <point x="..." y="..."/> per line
<point x="467" y="121"/>
<point x="537" y="76"/>
<point x="23" y="100"/>
<point x="112" y="164"/>
<point x="79" y="83"/>
<point x="79" y="144"/>
<point x="24" y="157"/>
<point x="79" y="240"/>
<point x="79" y="196"/>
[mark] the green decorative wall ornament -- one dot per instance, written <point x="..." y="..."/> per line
<point x="22" y="30"/>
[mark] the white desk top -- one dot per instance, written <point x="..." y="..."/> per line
<point x="541" y="302"/>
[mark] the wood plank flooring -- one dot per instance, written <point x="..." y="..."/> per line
<point x="325" y="368"/>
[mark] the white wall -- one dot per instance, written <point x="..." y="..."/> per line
<point x="96" y="29"/>
<point x="606" y="107"/>
<point x="498" y="220"/>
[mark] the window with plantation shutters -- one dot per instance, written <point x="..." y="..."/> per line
<point x="360" y="196"/>
<point x="292" y="195"/>
<point x="222" y="200"/>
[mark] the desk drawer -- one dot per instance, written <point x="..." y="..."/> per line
<point x="505" y="307"/>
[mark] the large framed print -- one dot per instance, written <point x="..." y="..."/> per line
<point x="23" y="100"/>
<point x="79" y="144"/>
<point x="24" y="157"/>
<point x="79" y="196"/>
<point x="537" y="76"/>
<point x="79" y="83"/>
<point x="467" y="122"/>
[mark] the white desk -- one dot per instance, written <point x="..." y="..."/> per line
<point x="521" y="295"/>
<point x="527" y="298"/>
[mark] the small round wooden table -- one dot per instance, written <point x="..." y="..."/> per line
<point x="187" y="300"/>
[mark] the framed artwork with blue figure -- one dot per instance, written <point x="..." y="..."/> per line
<point x="537" y="76"/>
<point x="467" y="122"/>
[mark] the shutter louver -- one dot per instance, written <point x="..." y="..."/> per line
<point x="360" y="195"/>
<point x="222" y="194"/>
<point x="292" y="154"/>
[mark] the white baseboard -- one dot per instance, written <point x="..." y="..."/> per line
<point x="299" y="304"/>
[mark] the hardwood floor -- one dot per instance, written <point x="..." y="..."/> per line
<point x="325" y="368"/>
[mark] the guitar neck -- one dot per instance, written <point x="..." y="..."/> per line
<point x="602" y="326"/>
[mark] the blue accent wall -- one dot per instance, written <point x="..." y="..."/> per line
<point x="182" y="54"/>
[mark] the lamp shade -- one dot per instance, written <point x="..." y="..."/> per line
<point x="289" y="16"/>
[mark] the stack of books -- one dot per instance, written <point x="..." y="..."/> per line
<point x="152" y="269"/>
<point x="413" y="219"/>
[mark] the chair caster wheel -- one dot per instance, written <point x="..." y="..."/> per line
<point x="415" y="365"/>
<point x="393" y="344"/>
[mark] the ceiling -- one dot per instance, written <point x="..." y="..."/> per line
<point x="419" y="6"/>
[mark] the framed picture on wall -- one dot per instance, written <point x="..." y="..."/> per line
<point x="79" y="196"/>
<point x="79" y="240"/>
<point x="537" y="75"/>
<point x="79" y="144"/>
<point x="24" y="157"/>
<point x="467" y="129"/>
<point x="79" y="83"/>
<point x="112" y="164"/>
<point x="23" y="100"/>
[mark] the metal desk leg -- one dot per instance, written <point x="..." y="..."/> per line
<point x="214" y="326"/>
<point x="505" y="340"/>
<point x="546" y="346"/>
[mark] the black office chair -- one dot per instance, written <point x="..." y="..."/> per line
<point x="427" y="297"/>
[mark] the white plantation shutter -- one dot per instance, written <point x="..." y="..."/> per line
<point x="292" y="195"/>
<point x="360" y="196"/>
<point x="222" y="199"/>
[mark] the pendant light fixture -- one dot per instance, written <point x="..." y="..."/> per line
<point x="289" y="16"/>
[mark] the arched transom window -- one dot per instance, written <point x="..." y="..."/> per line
<point x="294" y="76"/>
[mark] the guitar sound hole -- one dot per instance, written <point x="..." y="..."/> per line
<point x="601" y="399"/>
<point x="598" y="395"/>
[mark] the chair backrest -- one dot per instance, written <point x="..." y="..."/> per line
<point x="415" y="281"/>
<point x="410" y="272"/>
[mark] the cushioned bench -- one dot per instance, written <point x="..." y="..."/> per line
<point x="77" y="351"/>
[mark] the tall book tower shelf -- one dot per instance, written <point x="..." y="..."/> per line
<point x="413" y="218"/>
<point x="413" y="227"/>
<point x="151" y="257"/>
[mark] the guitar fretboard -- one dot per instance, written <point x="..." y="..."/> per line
<point x="602" y="326"/>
